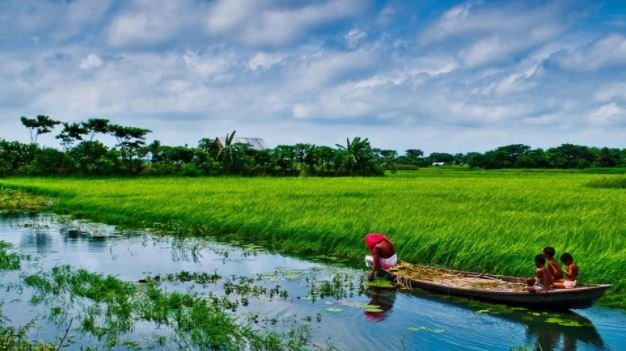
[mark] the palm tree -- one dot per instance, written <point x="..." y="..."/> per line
<point x="231" y="153"/>
<point x="359" y="159"/>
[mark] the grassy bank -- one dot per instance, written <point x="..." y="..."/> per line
<point x="20" y="201"/>
<point x="483" y="221"/>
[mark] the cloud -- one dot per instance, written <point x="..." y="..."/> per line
<point x="354" y="37"/>
<point x="607" y="51"/>
<point x="272" y="23"/>
<point x="152" y="22"/>
<point x="609" y="114"/>
<point x="479" y="74"/>
<point x="90" y="61"/>
<point x="489" y="32"/>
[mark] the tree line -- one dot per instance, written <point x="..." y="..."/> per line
<point x="81" y="153"/>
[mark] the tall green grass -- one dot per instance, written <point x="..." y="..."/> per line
<point x="481" y="221"/>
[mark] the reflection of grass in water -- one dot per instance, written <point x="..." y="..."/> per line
<point x="115" y="306"/>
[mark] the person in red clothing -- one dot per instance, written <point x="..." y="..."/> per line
<point x="383" y="253"/>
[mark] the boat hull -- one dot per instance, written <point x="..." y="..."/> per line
<point x="556" y="299"/>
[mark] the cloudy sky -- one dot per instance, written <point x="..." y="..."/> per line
<point x="437" y="75"/>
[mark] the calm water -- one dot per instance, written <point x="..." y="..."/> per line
<point x="407" y="321"/>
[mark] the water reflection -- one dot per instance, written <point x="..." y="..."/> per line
<point x="383" y="298"/>
<point x="549" y="336"/>
<point x="545" y="331"/>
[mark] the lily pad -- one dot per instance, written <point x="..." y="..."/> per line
<point x="373" y="309"/>
<point x="519" y="309"/>
<point x="564" y="322"/>
<point x="381" y="283"/>
<point x="334" y="309"/>
<point x="426" y="329"/>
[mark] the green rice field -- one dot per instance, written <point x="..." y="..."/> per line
<point x="493" y="221"/>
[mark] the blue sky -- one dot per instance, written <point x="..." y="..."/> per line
<point x="451" y="76"/>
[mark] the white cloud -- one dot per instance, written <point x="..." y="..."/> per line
<point x="90" y="61"/>
<point x="150" y="22"/>
<point x="607" y="51"/>
<point x="610" y="92"/>
<point x="272" y="23"/>
<point x="609" y="114"/>
<point x="354" y="37"/>
<point x="262" y="60"/>
<point x="493" y="33"/>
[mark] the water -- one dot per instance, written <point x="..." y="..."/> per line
<point x="399" y="321"/>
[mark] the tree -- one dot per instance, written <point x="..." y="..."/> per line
<point x="231" y="153"/>
<point x="37" y="126"/>
<point x="96" y="125"/>
<point x="440" y="157"/>
<point x="359" y="158"/>
<point x="130" y="140"/>
<point x="71" y="133"/>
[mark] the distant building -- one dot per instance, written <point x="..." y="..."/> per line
<point x="255" y="143"/>
<point x="439" y="163"/>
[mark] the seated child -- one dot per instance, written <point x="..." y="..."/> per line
<point x="543" y="278"/>
<point x="570" y="274"/>
<point x="553" y="266"/>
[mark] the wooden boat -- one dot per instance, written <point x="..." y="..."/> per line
<point x="493" y="288"/>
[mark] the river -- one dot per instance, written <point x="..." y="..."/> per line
<point x="394" y="320"/>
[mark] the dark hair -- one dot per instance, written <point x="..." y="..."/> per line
<point x="540" y="258"/>
<point x="566" y="256"/>
<point x="549" y="251"/>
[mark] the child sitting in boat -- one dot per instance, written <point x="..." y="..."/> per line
<point x="570" y="274"/>
<point x="543" y="278"/>
<point x="553" y="266"/>
<point x="383" y="253"/>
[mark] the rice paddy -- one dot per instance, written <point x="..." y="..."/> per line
<point x="471" y="220"/>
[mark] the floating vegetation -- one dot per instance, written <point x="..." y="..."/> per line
<point x="334" y="309"/>
<point x="373" y="309"/>
<point x="565" y="322"/>
<point x="8" y="260"/>
<point x="341" y="285"/>
<point x="282" y="273"/>
<point x="426" y="329"/>
<point x="16" y="339"/>
<point x="381" y="283"/>
<point x="196" y="277"/>
<point x="113" y="307"/>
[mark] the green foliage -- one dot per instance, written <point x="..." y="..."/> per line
<point x="40" y="125"/>
<point x="493" y="221"/>
<point x="8" y="260"/>
<point x="117" y="306"/>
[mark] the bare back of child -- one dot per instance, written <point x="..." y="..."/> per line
<point x="571" y="273"/>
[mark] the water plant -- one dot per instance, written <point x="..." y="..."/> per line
<point x="112" y="307"/>
<point x="8" y="260"/>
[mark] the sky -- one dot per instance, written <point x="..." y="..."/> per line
<point x="447" y="76"/>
